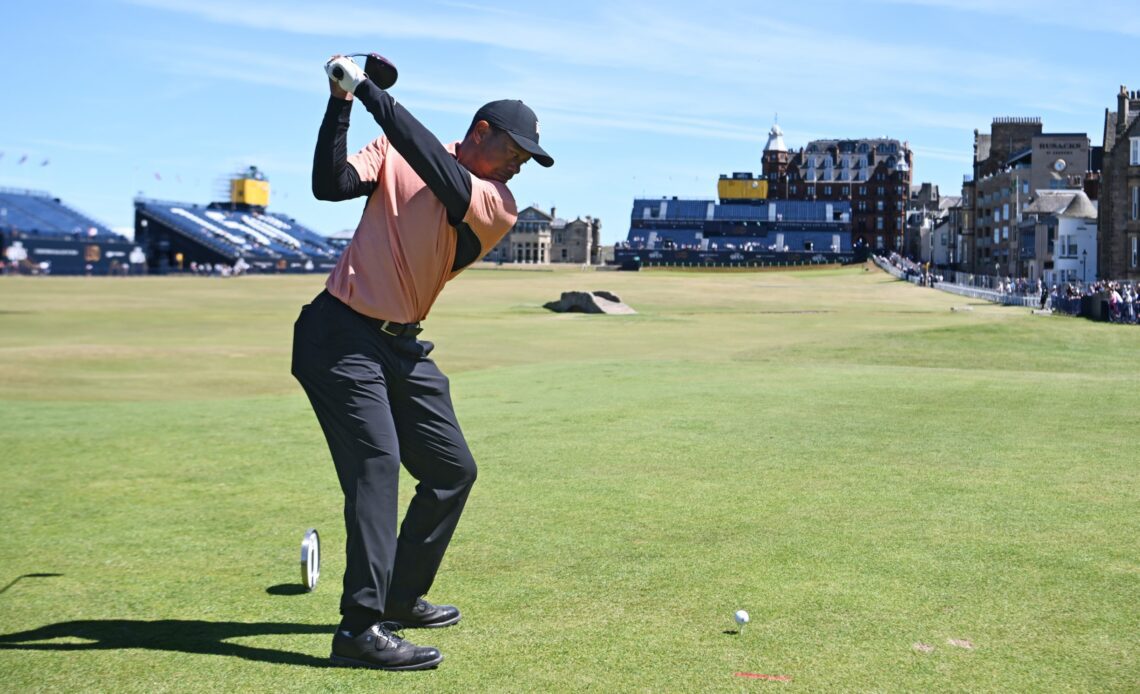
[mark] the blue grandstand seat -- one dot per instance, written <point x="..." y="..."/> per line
<point x="240" y="232"/>
<point x="33" y="212"/>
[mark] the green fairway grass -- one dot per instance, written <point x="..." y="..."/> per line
<point x="904" y="497"/>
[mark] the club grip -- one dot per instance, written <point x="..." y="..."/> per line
<point x="338" y="72"/>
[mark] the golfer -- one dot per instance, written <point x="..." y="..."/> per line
<point x="431" y="211"/>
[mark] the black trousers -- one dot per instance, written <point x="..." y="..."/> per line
<point x="381" y="402"/>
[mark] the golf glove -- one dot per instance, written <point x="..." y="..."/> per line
<point x="346" y="73"/>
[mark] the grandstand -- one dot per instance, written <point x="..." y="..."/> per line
<point x="675" y="231"/>
<point x="42" y="234"/>
<point x="238" y="232"/>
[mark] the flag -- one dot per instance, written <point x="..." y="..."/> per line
<point x="157" y="176"/>
<point x="45" y="162"/>
<point x="23" y="159"/>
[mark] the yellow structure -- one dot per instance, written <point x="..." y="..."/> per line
<point x="250" y="189"/>
<point x="742" y="187"/>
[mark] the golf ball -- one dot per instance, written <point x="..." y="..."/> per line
<point x="741" y="617"/>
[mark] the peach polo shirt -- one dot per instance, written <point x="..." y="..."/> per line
<point x="402" y="252"/>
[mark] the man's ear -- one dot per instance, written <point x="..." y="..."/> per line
<point x="481" y="131"/>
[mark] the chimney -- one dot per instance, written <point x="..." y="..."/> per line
<point x="1121" y="110"/>
<point x="552" y="212"/>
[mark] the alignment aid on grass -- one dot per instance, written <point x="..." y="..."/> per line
<point x="310" y="559"/>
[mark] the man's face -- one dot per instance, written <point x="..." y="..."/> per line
<point x="494" y="155"/>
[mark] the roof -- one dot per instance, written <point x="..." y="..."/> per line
<point x="1018" y="156"/>
<point x="947" y="201"/>
<point x="1080" y="207"/>
<point x="537" y="212"/>
<point x="1051" y="201"/>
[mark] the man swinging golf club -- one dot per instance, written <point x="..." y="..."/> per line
<point x="431" y="211"/>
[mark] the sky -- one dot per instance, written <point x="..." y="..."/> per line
<point x="108" y="100"/>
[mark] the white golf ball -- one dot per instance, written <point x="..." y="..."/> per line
<point x="741" y="617"/>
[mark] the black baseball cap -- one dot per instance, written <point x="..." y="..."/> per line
<point x="520" y="123"/>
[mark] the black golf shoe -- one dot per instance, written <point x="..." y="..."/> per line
<point x="422" y="615"/>
<point x="378" y="648"/>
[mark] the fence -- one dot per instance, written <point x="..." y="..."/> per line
<point x="1004" y="298"/>
<point x="1074" y="299"/>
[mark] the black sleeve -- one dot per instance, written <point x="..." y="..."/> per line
<point x="445" y="176"/>
<point x="333" y="178"/>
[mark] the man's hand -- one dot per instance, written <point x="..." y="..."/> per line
<point x="344" y="74"/>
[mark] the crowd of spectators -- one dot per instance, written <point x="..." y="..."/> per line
<point x="1117" y="302"/>
<point x="914" y="272"/>
<point x="667" y="244"/>
<point x="1120" y="299"/>
<point x="219" y="269"/>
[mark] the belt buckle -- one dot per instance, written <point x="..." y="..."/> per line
<point x="384" y="329"/>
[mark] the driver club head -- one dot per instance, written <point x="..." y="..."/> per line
<point x="378" y="68"/>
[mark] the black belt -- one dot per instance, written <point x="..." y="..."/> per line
<point x="387" y="327"/>
<point x="397" y="329"/>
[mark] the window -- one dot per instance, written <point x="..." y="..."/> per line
<point x="1005" y="211"/>
<point x="1135" y="202"/>
<point x="1025" y="187"/>
<point x="879" y="240"/>
<point x="879" y="205"/>
<point x="880" y="190"/>
<point x="879" y="223"/>
<point x="1135" y="159"/>
<point x="997" y="233"/>
<point x="827" y="190"/>
<point x="1005" y="232"/>
<point x="1135" y="250"/>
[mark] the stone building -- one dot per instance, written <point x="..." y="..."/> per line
<point x="1118" y="222"/>
<point x="540" y="237"/>
<point x="929" y="224"/>
<point x="577" y="241"/>
<point x="1011" y="164"/>
<point x="873" y="174"/>
<point x="1057" y="237"/>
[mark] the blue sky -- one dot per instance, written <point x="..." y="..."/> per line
<point x="634" y="98"/>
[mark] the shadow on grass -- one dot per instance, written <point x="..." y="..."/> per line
<point x="186" y="636"/>
<point x="22" y="577"/>
<point x="287" y="589"/>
